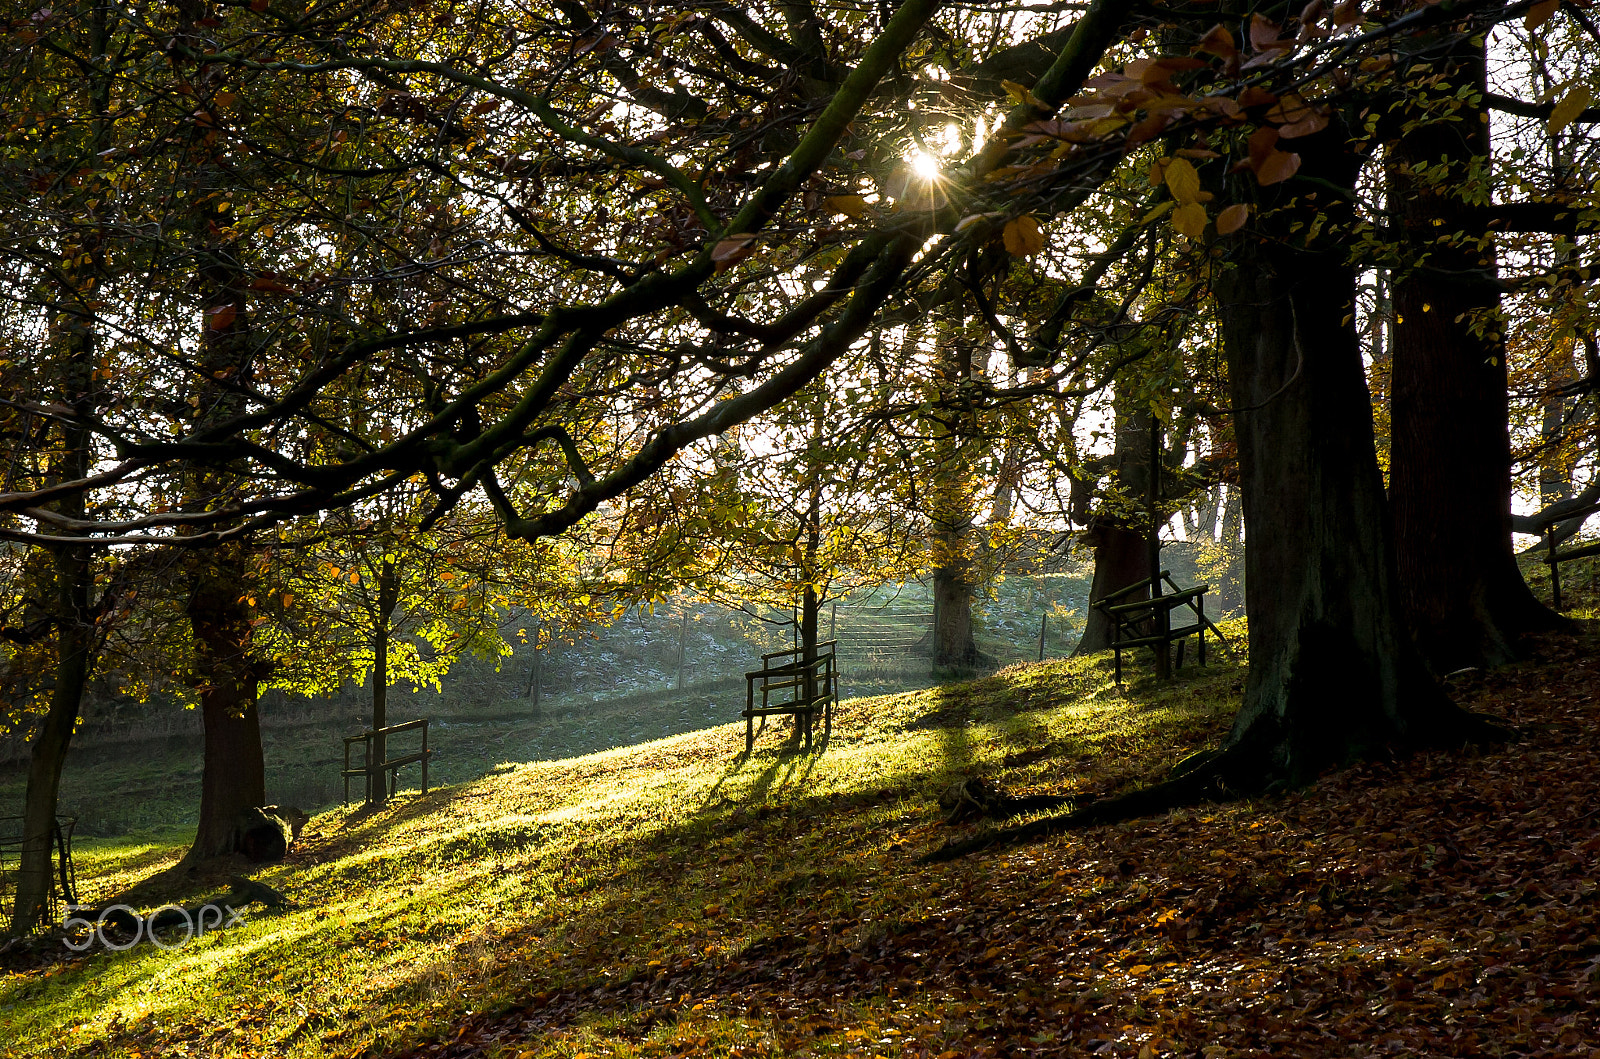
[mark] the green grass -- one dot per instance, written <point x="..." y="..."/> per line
<point x="549" y="877"/>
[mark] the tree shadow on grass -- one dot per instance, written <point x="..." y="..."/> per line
<point x="613" y="872"/>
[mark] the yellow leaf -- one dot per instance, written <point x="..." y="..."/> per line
<point x="1157" y="212"/>
<point x="1183" y="181"/>
<point x="1020" y="93"/>
<point x="1022" y="237"/>
<point x="1232" y="219"/>
<point x="1190" y="219"/>
<point x="850" y="205"/>
<point x="1540" y="13"/>
<point x="1566" y="112"/>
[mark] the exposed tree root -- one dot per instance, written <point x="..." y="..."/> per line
<point x="1235" y="771"/>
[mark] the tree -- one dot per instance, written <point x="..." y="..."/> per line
<point x="655" y="181"/>
<point x="1450" y="448"/>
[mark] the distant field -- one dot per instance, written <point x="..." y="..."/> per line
<point x="613" y="688"/>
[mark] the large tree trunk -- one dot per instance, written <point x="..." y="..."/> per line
<point x="953" y="644"/>
<point x="1450" y="449"/>
<point x="1333" y="674"/>
<point x="74" y="658"/>
<point x="952" y="501"/>
<point x="220" y="604"/>
<point x="1121" y="549"/>
<point x="234" y="775"/>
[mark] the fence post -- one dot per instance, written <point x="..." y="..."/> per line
<point x="1043" y="618"/>
<point x="683" y="635"/>
<point x="1555" y="568"/>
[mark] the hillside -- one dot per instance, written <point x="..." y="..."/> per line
<point x="673" y="898"/>
<point x="137" y="766"/>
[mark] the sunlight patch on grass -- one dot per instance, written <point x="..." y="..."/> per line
<point x="555" y="875"/>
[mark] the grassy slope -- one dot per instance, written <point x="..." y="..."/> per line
<point x="670" y="899"/>
<point x="542" y="877"/>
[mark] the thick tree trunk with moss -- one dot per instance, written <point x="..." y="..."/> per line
<point x="1450" y="449"/>
<point x="1333" y="672"/>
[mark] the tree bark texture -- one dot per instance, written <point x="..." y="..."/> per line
<point x="388" y="599"/>
<point x="48" y="753"/>
<point x="1450" y="451"/>
<point x="74" y="349"/>
<point x="1333" y="674"/>
<point x="1120" y="544"/>
<point x="233" y="778"/>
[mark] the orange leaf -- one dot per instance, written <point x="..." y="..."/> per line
<point x="1219" y="42"/>
<point x="1540" y="13"/>
<point x="221" y="318"/>
<point x="1262" y="142"/>
<point x="732" y="250"/>
<point x="1347" y="13"/>
<point x="1256" y="97"/>
<point x="1264" y="33"/>
<point x="1232" y="219"/>
<point x="1312" y="122"/>
<point x="1277" y="167"/>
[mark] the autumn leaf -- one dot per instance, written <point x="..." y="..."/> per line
<point x="732" y="249"/>
<point x="1163" y="208"/>
<point x="1567" y="110"/>
<point x="1312" y="122"/>
<point x="1219" y="42"/>
<point x="1183" y="182"/>
<point x="219" y="319"/>
<point x="1022" y="237"/>
<point x="1264" y="33"/>
<point x="1540" y="13"/>
<point x="1346" y="14"/>
<point x="853" y="206"/>
<point x="1190" y="219"/>
<point x="1021" y="94"/>
<point x="1232" y="219"/>
<point x="1277" y="167"/>
<point x="1255" y="96"/>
